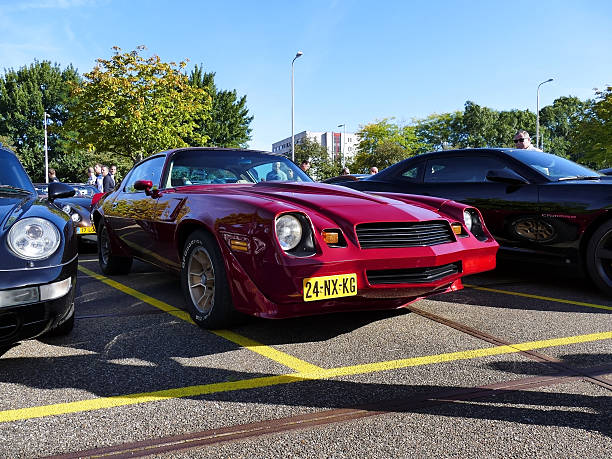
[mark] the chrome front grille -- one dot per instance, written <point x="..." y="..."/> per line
<point x="412" y="275"/>
<point x="401" y="234"/>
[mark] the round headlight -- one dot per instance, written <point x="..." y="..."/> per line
<point x="467" y="219"/>
<point x="33" y="238"/>
<point x="66" y="208"/>
<point x="288" y="231"/>
<point x="76" y="217"/>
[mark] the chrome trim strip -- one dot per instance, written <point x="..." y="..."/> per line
<point x="41" y="267"/>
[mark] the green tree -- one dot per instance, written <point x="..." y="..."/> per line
<point x="387" y="152"/>
<point x="321" y="164"/>
<point x="382" y="143"/>
<point x="593" y="134"/>
<point x="132" y="107"/>
<point x="25" y="95"/>
<point x="558" y="123"/>
<point x="439" y="132"/>
<point x="478" y="126"/>
<point x="229" y="122"/>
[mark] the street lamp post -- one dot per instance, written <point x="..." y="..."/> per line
<point x="46" y="153"/>
<point x="342" y="147"/>
<point x="538" y="143"/>
<point x="298" y="54"/>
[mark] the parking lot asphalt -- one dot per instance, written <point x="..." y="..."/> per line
<point x="519" y="363"/>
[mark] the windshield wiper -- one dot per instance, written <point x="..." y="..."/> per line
<point x="13" y="188"/>
<point x="580" y="177"/>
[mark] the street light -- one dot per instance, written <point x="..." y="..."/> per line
<point x="298" y="54"/>
<point x="538" y="143"/>
<point x="342" y="147"/>
<point x="46" y="153"/>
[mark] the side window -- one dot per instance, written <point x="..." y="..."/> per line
<point x="149" y="170"/>
<point x="460" y="169"/>
<point x="412" y="174"/>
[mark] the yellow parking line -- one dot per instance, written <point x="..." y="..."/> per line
<point x="539" y="297"/>
<point x="266" y="381"/>
<point x="280" y="357"/>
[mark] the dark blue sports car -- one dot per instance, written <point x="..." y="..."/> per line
<point x="538" y="206"/>
<point x="38" y="257"/>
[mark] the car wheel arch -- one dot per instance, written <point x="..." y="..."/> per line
<point x="588" y="234"/>
<point x="185" y="230"/>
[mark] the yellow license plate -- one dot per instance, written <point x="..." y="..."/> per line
<point x="324" y="287"/>
<point x="86" y="230"/>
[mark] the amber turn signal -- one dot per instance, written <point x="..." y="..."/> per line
<point x="240" y="246"/>
<point x="330" y="237"/>
<point x="457" y="228"/>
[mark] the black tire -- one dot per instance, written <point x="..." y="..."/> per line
<point x="109" y="263"/>
<point x="599" y="257"/>
<point x="204" y="283"/>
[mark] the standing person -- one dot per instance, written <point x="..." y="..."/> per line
<point x="346" y="171"/>
<point x="91" y="176"/>
<point x="373" y="170"/>
<point x="305" y="165"/>
<point x="522" y="141"/>
<point x="113" y="172"/>
<point x="108" y="182"/>
<point x="99" y="177"/>
<point x="52" y="177"/>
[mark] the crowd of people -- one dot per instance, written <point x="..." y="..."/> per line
<point x="102" y="177"/>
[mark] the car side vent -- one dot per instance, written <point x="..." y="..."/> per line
<point x="413" y="275"/>
<point x="400" y="234"/>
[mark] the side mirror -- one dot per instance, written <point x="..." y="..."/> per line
<point x="506" y="176"/>
<point x="144" y="185"/>
<point x="59" y="190"/>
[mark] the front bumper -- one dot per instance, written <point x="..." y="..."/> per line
<point x="34" y="301"/>
<point x="385" y="279"/>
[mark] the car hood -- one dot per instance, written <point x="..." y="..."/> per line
<point x="85" y="203"/>
<point x="343" y="203"/>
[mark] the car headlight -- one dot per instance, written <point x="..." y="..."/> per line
<point x="33" y="238"/>
<point x="76" y="217"/>
<point x="288" y="231"/>
<point x="467" y="219"/>
<point x="66" y="208"/>
<point x="474" y="224"/>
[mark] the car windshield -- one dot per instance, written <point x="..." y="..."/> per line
<point x="12" y="174"/>
<point x="200" y="167"/>
<point x="553" y="166"/>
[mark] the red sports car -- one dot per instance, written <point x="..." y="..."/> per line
<point x="248" y="232"/>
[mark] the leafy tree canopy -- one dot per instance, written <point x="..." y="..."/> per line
<point x="25" y="95"/>
<point x="593" y="135"/>
<point x="132" y="106"/>
<point x="229" y="122"/>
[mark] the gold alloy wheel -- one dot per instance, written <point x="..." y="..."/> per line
<point x="534" y="230"/>
<point x="201" y="279"/>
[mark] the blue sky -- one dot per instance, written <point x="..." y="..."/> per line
<point x="363" y="60"/>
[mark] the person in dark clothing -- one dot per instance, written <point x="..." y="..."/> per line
<point x="108" y="184"/>
<point x="52" y="176"/>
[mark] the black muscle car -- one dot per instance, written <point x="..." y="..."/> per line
<point x="537" y="205"/>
